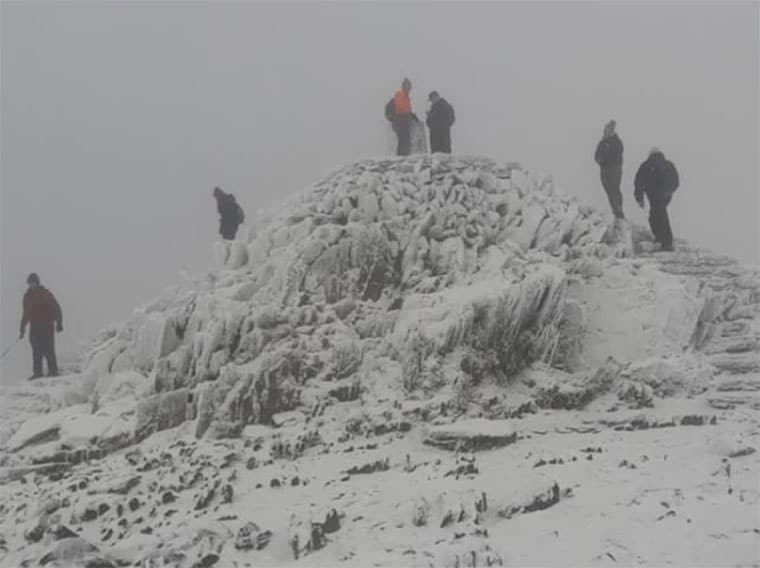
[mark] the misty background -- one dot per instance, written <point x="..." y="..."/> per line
<point x="118" y="119"/>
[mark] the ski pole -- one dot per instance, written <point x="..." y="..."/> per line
<point x="9" y="349"/>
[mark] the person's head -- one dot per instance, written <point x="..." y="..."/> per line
<point x="406" y="85"/>
<point x="609" y="128"/>
<point x="33" y="280"/>
<point x="433" y="96"/>
<point x="656" y="156"/>
<point x="217" y="192"/>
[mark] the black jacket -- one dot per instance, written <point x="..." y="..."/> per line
<point x="656" y="177"/>
<point x="228" y="208"/>
<point x="609" y="152"/>
<point x="441" y="115"/>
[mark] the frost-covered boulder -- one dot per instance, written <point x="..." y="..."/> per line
<point x="412" y="261"/>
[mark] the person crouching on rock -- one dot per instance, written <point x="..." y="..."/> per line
<point x="43" y="314"/>
<point x="657" y="178"/>
<point x="230" y="214"/>
<point x="440" y="119"/>
<point x="609" y="156"/>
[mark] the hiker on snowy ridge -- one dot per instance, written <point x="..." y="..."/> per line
<point x="658" y="179"/>
<point x="440" y="119"/>
<point x="399" y="112"/>
<point x="609" y="156"/>
<point x="43" y="314"/>
<point x="230" y="213"/>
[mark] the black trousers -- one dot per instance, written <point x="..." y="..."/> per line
<point x="403" y="128"/>
<point x="658" y="219"/>
<point x="440" y="140"/>
<point x="42" y="339"/>
<point x="611" y="177"/>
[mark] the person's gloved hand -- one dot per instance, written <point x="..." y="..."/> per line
<point x="640" y="202"/>
<point x="59" y="327"/>
<point x="21" y="333"/>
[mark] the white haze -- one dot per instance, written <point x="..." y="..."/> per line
<point x="118" y="118"/>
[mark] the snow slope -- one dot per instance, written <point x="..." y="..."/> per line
<point x="413" y="362"/>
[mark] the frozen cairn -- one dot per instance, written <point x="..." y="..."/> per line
<point x="420" y="258"/>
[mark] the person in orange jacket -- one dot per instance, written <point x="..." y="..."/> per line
<point x="399" y="112"/>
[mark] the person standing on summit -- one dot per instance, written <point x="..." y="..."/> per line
<point x="43" y="314"/>
<point x="657" y="178"/>
<point x="440" y="119"/>
<point x="609" y="156"/>
<point x="399" y="112"/>
<point x="230" y="214"/>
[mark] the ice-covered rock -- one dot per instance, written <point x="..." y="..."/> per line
<point x="414" y="260"/>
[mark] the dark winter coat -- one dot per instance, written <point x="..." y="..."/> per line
<point x="441" y="115"/>
<point x="228" y="208"/>
<point x="656" y="177"/>
<point x="41" y="309"/>
<point x="440" y="118"/>
<point x="609" y="152"/>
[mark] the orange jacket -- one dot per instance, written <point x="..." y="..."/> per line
<point x="402" y="103"/>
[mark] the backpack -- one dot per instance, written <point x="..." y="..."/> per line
<point x="390" y="110"/>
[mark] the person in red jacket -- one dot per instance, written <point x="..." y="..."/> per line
<point x="43" y="314"/>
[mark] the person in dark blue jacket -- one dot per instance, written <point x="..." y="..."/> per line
<point x="657" y="178"/>
<point x="609" y="156"/>
<point x="440" y="119"/>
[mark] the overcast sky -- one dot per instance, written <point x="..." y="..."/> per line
<point x="118" y="118"/>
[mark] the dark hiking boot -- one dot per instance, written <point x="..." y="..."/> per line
<point x="35" y="376"/>
<point x="667" y="248"/>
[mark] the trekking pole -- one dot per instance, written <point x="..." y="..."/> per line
<point x="9" y="349"/>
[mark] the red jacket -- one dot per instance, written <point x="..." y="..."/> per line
<point x="40" y="308"/>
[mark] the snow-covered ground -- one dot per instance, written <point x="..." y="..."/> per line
<point x="430" y="361"/>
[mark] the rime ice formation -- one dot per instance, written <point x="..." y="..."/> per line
<point x="413" y="357"/>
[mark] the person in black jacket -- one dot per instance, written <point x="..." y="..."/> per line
<point x="609" y="156"/>
<point x="440" y="119"/>
<point x="657" y="178"/>
<point x="230" y="213"/>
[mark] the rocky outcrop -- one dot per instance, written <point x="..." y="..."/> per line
<point x="477" y="254"/>
<point x="472" y="435"/>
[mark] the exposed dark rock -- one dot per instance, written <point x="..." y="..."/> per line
<point x="35" y="534"/>
<point x="471" y="435"/>
<point x="250" y="537"/>
<point x="332" y="522"/>
<point x="540" y="501"/>
<point x="206" y="495"/>
<point x="741" y="452"/>
<point x="379" y="465"/>
<point x="227" y="493"/>
<point x="345" y="393"/>
<point x="134" y="504"/>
